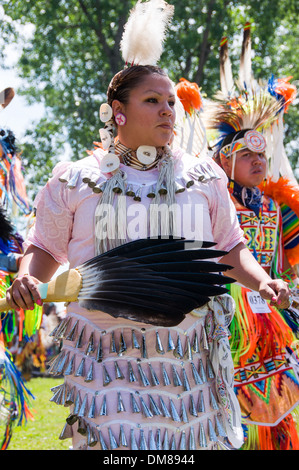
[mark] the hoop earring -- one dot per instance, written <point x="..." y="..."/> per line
<point x="120" y="119"/>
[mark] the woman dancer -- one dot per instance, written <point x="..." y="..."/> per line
<point x="131" y="384"/>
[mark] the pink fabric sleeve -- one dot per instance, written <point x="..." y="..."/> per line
<point x="225" y="225"/>
<point x="54" y="218"/>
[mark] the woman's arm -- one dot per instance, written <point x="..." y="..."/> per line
<point x="247" y="271"/>
<point x="36" y="266"/>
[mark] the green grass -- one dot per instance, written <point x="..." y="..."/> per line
<point x="49" y="419"/>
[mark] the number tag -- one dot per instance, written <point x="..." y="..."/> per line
<point x="257" y="303"/>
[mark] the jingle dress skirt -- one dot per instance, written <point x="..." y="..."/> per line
<point x="136" y="386"/>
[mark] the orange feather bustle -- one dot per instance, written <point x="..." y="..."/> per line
<point x="189" y="95"/>
<point x="287" y="90"/>
<point x="285" y="192"/>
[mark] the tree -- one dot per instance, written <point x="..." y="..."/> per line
<point x="74" y="52"/>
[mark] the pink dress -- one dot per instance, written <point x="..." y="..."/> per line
<point x="132" y="385"/>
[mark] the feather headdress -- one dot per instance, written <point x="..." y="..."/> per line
<point x="144" y="32"/>
<point x="248" y="104"/>
<point x="190" y="132"/>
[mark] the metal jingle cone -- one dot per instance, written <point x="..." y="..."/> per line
<point x="159" y="346"/>
<point x="179" y="188"/>
<point x="132" y="377"/>
<point x="92" y="439"/>
<point x="67" y="432"/>
<point x="72" y="334"/>
<point x="192" y="444"/>
<point x="158" y="439"/>
<point x="213" y="402"/>
<point x="176" y="378"/>
<point x="166" y="379"/>
<point x="133" y="440"/>
<point x="122" y="437"/>
<point x="183" y="441"/>
<point x="112" y="343"/>
<point x="162" y="190"/>
<point x="196" y="376"/>
<point x="202" y="371"/>
<point x="151" y="193"/>
<point x="118" y="372"/>
<point x="80" y="371"/>
<point x="106" y="377"/>
<point x="135" y="343"/>
<point x="192" y="407"/>
<point x="82" y="411"/>
<point x="178" y="351"/>
<point x="144" y="380"/>
<point x="143" y="348"/>
<point x="137" y="196"/>
<point x="154" y="407"/>
<point x="117" y="188"/>
<point x="184" y="416"/>
<point x="202" y="437"/>
<point x="129" y="191"/>
<point x="122" y="345"/>
<point x="172" y="443"/>
<point x="204" y="339"/>
<point x="134" y="405"/>
<point x="164" y="408"/>
<point x="142" y="444"/>
<point x="155" y="380"/>
<point x="99" y="187"/>
<point x="70" y="397"/>
<point x="90" y="345"/>
<point x="186" y="384"/>
<point x="146" y="411"/>
<point x="170" y="346"/>
<point x="92" y="409"/>
<point x="99" y="353"/>
<point x="151" y="440"/>
<point x="120" y="403"/>
<point x="80" y="339"/>
<point x="166" y="441"/>
<point x="210" y="370"/>
<point x="174" y="414"/>
<point x="102" y="442"/>
<point x="201" y="403"/>
<point x="188" y="182"/>
<point x="212" y="433"/>
<point x="90" y="376"/>
<point x="70" y="367"/>
<point x="72" y="183"/>
<point x="103" y="409"/>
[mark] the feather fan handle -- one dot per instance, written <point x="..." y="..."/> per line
<point x="226" y="76"/>
<point x="144" y="32"/>
<point x="245" y="73"/>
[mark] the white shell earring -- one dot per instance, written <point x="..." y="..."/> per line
<point x="105" y="138"/>
<point x="106" y="112"/>
<point x="146" y="154"/>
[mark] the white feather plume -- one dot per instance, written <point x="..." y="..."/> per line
<point x="144" y="32"/>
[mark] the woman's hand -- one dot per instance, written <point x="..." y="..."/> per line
<point x="277" y="291"/>
<point x="23" y="293"/>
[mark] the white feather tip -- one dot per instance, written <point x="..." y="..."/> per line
<point x="144" y="32"/>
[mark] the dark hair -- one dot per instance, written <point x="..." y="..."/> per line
<point x="233" y="136"/>
<point x="127" y="79"/>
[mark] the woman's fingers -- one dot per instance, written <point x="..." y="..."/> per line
<point x="24" y="293"/>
